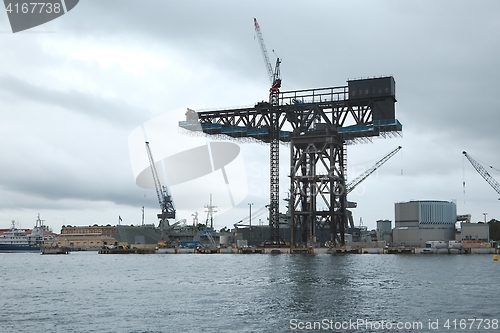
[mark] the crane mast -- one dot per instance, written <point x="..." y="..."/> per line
<point x="482" y="171"/>
<point x="164" y="197"/>
<point x="274" y="131"/>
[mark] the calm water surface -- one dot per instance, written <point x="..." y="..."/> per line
<point x="87" y="292"/>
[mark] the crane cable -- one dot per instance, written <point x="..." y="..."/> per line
<point x="463" y="174"/>
<point x="479" y="162"/>
<point x="486" y="164"/>
<point x="401" y="156"/>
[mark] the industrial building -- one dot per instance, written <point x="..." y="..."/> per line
<point x="87" y="237"/>
<point x="474" y="232"/>
<point x="417" y="222"/>
<point x="384" y="231"/>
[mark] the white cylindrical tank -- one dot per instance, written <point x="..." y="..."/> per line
<point x="440" y="245"/>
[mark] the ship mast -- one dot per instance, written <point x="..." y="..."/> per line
<point x="211" y="209"/>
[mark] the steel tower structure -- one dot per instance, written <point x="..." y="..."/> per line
<point x="317" y="124"/>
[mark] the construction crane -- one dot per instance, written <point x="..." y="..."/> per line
<point x="482" y="171"/>
<point x="274" y="77"/>
<point x="274" y="133"/>
<point x="364" y="175"/>
<point x="164" y="197"/>
<point x="358" y="180"/>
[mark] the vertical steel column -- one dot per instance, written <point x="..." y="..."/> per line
<point x="300" y="198"/>
<point x="317" y="187"/>
<point x="338" y="194"/>
<point x="291" y="203"/>
<point x="274" y="159"/>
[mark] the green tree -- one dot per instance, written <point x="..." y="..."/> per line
<point x="494" y="229"/>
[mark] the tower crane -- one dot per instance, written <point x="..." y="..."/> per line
<point x="164" y="197"/>
<point x="274" y="133"/>
<point x="482" y="171"/>
<point x="274" y="77"/>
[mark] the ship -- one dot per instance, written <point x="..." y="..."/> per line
<point x="179" y="233"/>
<point x="19" y="240"/>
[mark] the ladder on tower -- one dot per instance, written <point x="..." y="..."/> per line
<point x="274" y="133"/>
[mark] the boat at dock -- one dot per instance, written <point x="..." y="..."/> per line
<point x="20" y="240"/>
<point x="177" y="234"/>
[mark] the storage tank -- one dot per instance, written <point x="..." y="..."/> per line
<point x="224" y="240"/>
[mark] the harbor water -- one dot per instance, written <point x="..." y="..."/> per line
<point x="87" y="292"/>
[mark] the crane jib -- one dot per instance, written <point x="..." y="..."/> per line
<point x="482" y="171"/>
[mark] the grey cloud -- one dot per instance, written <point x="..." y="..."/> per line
<point x="112" y="110"/>
<point x="443" y="55"/>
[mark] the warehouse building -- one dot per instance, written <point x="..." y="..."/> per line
<point x="475" y="232"/>
<point x="87" y="237"/>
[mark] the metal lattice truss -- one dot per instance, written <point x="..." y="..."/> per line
<point x="318" y="193"/>
<point x="318" y="123"/>
<point x="300" y="110"/>
<point x="482" y="171"/>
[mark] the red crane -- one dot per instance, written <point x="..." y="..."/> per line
<point x="274" y="133"/>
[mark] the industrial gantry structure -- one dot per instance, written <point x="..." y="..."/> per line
<point x="317" y="124"/>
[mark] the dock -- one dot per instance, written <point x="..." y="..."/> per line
<point x="54" y="250"/>
<point x="124" y="250"/>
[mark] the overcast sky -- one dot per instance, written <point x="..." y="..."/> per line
<point x="79" y="95"/>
